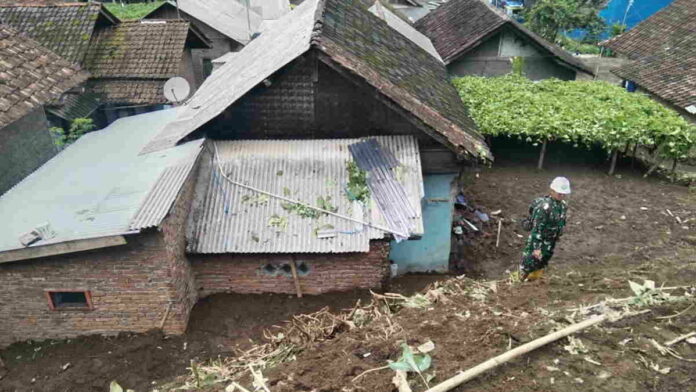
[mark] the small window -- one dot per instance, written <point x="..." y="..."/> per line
<point x="69" y="300"/>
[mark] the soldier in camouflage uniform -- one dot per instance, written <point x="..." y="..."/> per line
<point x="547" y="220"/>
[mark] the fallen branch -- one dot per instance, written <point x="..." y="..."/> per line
<point x="675" y="315"/>
<point x="679" y="339"/>
<point x="369" y="371"/>
<point x="514" y="353"/>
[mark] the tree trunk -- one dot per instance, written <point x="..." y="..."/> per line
<point x="656" y="162"/>
<point x="540" y="165"/>
<point x="614" y="156"/>
<point x="633" y="157"/>
<point x="626" y="149"/>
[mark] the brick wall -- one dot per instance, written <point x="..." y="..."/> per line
<point x="247" y="274"/>
<point x="131" y="286"/>
<point x="24" y="146"/>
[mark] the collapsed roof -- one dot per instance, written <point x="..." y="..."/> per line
<point x="355" y="40"/>
<point x="459" y="26"/>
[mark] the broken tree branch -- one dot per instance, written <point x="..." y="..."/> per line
<point x="679" y="339"/>
<point x="514" y="353"/>
<point x="500" y="226"/>
<point x="675" y="315"/>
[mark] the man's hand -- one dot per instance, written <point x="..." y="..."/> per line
<point x="537" y="254"/>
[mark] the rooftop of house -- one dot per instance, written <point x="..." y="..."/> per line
<point x="64" y="28"/>
<point x="350" y="38"/>
<point x="658" y="33"/>
<point x="229" y="17"/>
<point x="669" y="73"/>
<point x="234" y="219"/>
<point x="131" y="61"/>
<point x="30" y="75"/>
<point x="459" y="26"/>
<point x="97" y="187"/>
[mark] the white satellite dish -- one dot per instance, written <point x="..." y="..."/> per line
<point x="176" y="89"/>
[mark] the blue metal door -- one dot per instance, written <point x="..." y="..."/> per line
<point x="431" y="252"/>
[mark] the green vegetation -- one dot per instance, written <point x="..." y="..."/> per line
<point x="578" y="112"/>
<point x="357" y="183"/>
<point x="78" y="127"/>
<point x="550" y="18"/>
<point x="575" y="46"/>
<point x="132" y="11"/>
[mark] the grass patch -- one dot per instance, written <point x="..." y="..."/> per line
<point x="133" y="11"/>
<point x="575" y="46"/>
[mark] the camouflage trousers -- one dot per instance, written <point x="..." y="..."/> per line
<point x="530" y="263"/>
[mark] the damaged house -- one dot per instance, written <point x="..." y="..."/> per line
<point x="129" y="62"/>
<point x="300" y="166"/>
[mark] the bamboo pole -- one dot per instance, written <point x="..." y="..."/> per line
<point x="295" y="278"/>
<point x="463" y="377"/>
<point x="614" y="156"/>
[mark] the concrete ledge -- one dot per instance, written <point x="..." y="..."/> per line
<point x="61" y="248"/>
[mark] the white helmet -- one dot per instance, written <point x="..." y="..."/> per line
<point x="561" y="185"/>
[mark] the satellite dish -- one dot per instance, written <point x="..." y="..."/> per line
<point x="176" y="89"/>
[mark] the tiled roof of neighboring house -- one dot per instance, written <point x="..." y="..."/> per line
<point x="659" y="32"/>
<point x="99" y="186"/>
<point x="459" y="26"/>
<point x="30" y="75"/>
<point x="137" y="49"/>
<point x="227" y="218"/>
<point x="669" y="74"/>
<point x="226" y="16"/>
<point x="130" y="62"/>
<point x="72" y="106"/>
<point x="351" y="39"/>
<point x="64" y="28"/>
<point x="129" y="91"/>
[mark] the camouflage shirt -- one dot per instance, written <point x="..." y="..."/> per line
<point x="548" y="220"/>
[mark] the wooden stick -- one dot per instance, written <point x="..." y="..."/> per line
<point x="675" y="315"/>
<point x="166" y="315"/>
<point x="463" y="377"/>
<point x="500" y="226"/>
<point x="295" y="278"/>
<point x="679" y="339"/>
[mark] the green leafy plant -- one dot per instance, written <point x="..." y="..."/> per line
<point x="132" y="11"/>
<point x="325" y="204"/>
<point x="517" y="65"/>
<point x="410" y="362"/>
<point x="357" y="183"/>
<point x="647" y="294"/>
<point x="78" y="127"/>
<point x="301" y="210"/>
<point x="577" y="112"/>
<point x="550" y="18"/>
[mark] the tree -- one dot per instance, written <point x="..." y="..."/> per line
<point x="548" y="18"/>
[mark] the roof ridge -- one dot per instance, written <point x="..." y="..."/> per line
<point x="315" y="37"/>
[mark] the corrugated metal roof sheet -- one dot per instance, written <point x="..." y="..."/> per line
<point x="231" y="219"/>
<point x="97" y="185"/>
<point x="403" y="27"/>
<point x="388" y="193"/>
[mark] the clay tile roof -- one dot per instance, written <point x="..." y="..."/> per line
<point x="461" y="25"/>
<point x="670" y="74"/>
<point x="147" y="49"/>
<point x="356" y="42"/>
<point x="30" y="75"/>
<point x="657" y="33"/>
<point x="66" y="29"/>
<point x="130" y="62"/>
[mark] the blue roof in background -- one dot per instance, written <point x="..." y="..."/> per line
<point x="639" y="11"/>
<point x="616" y="10"/>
